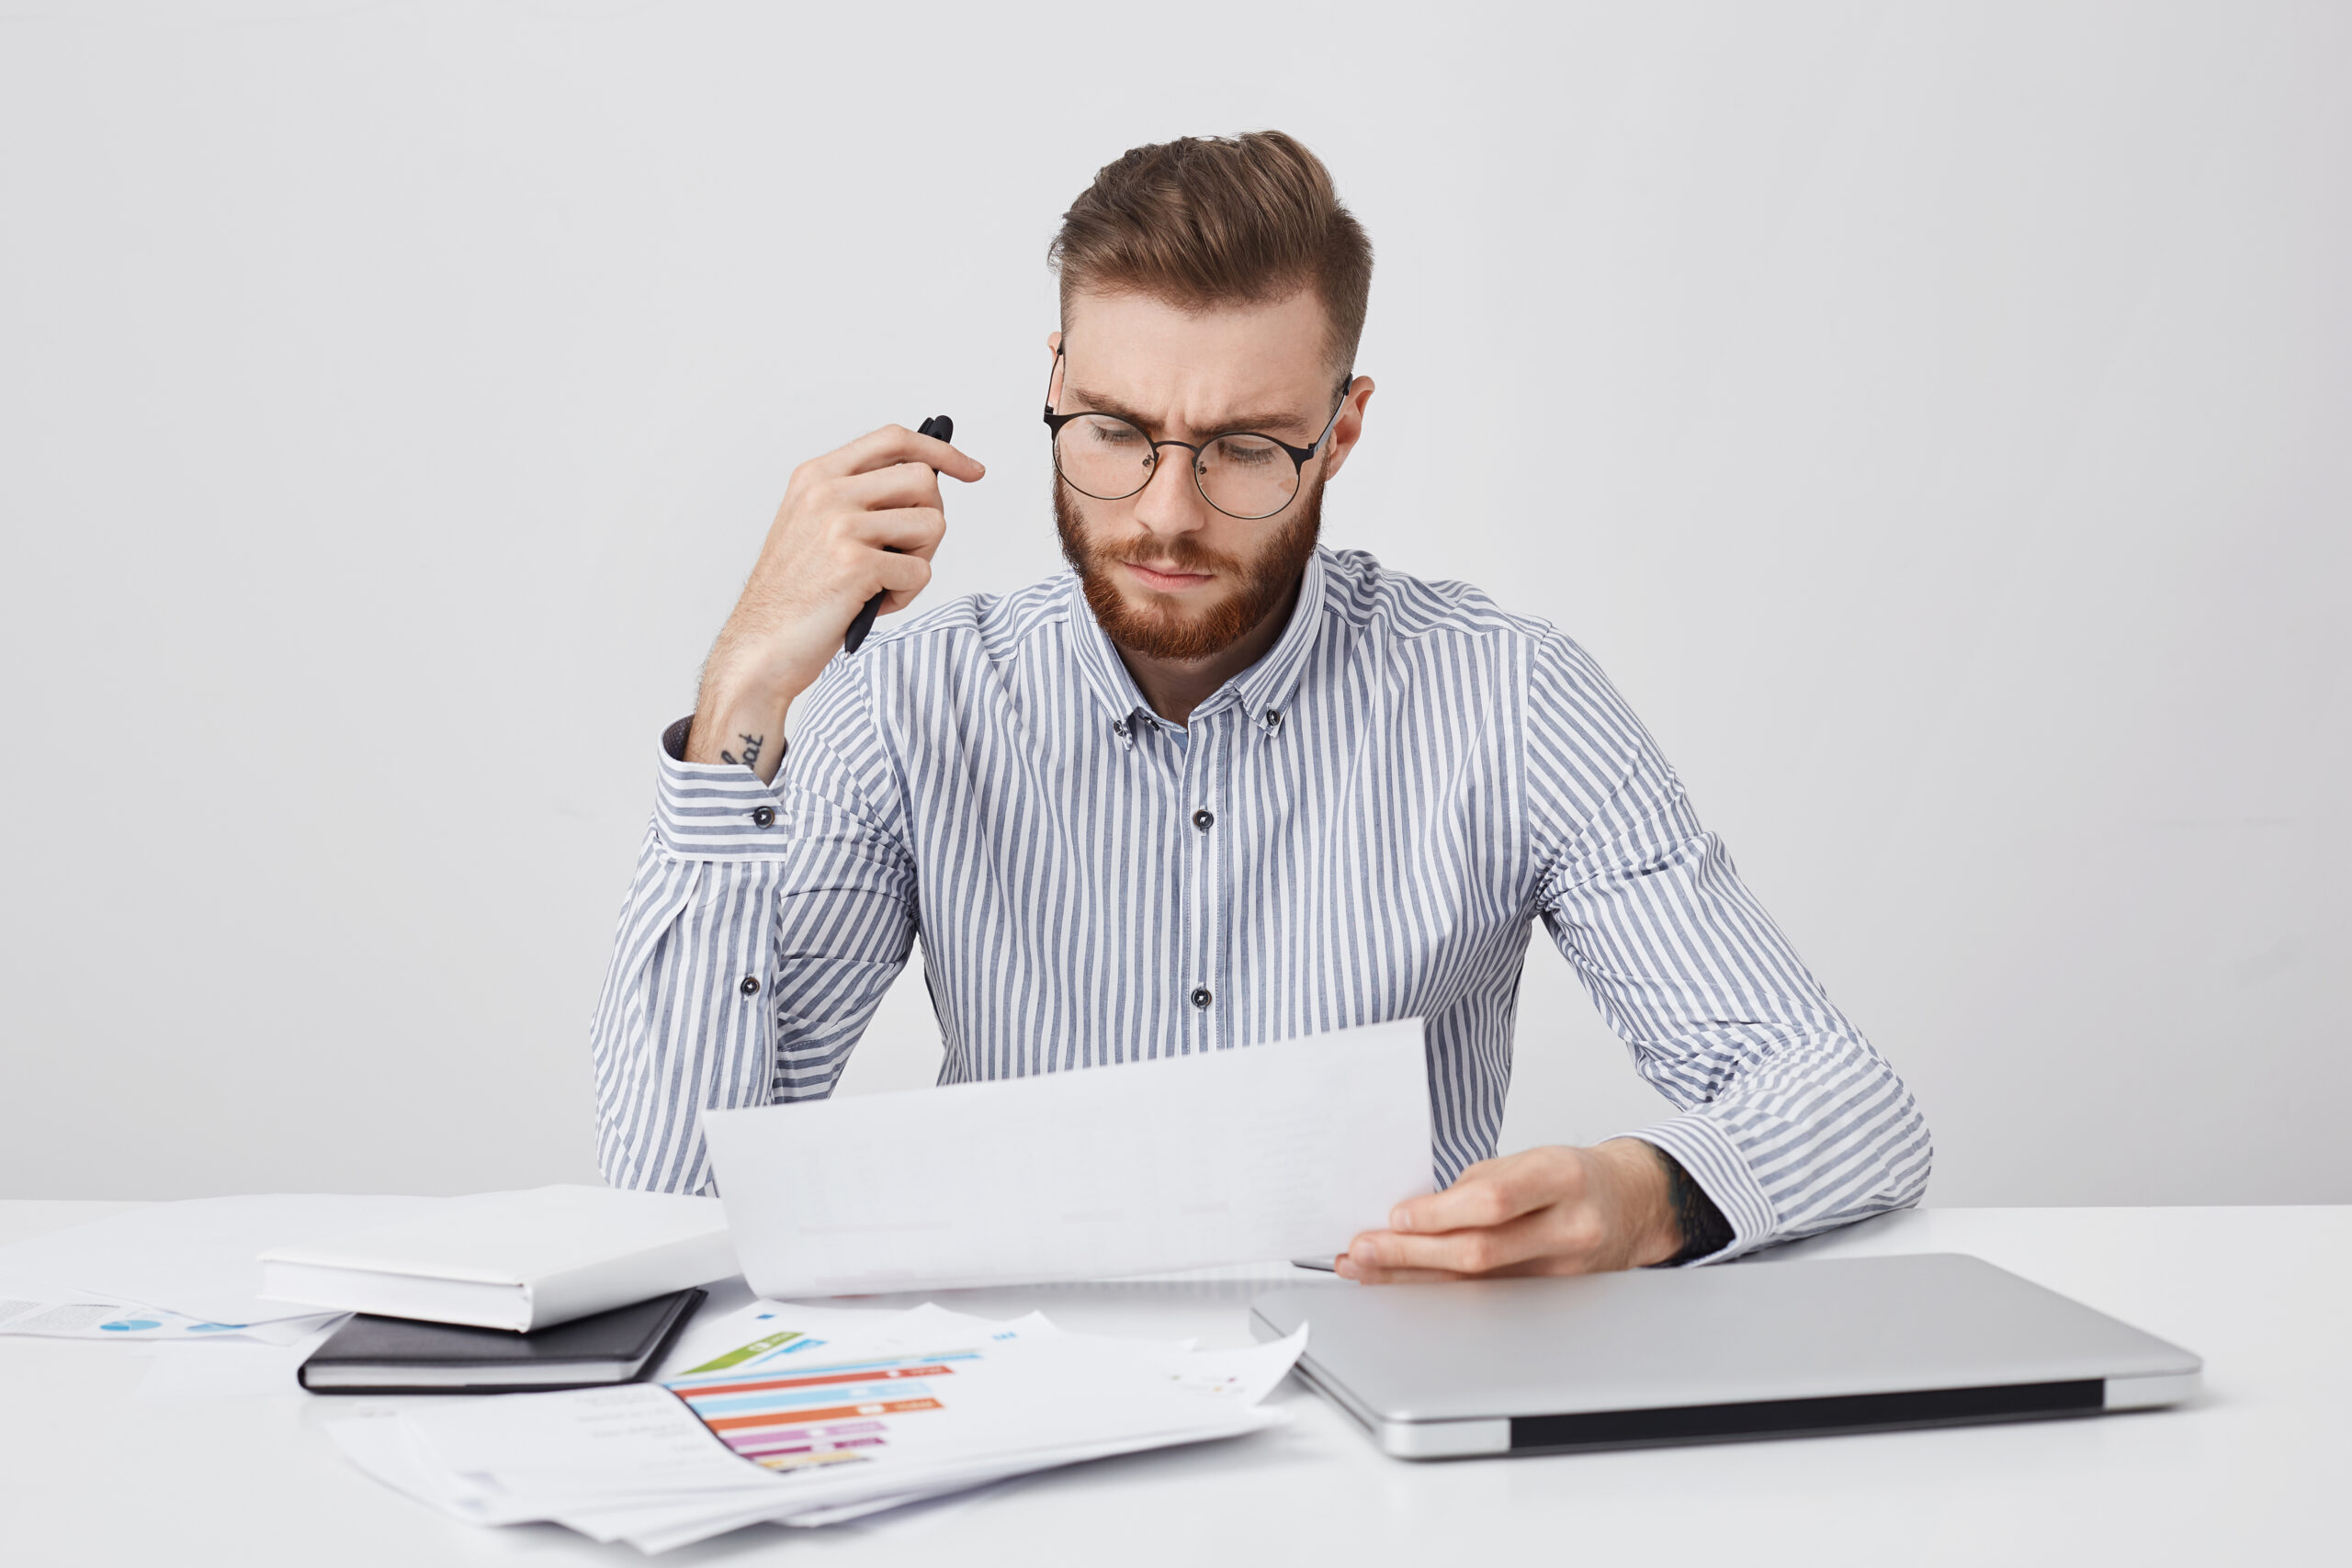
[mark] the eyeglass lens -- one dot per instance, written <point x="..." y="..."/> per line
<point x="1110" y="459"/>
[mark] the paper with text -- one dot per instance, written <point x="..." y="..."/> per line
<point x="1273" y="1151"/>
<point x="900" y="1407"/>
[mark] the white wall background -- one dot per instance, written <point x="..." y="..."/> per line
<point x="1934" y="416"/>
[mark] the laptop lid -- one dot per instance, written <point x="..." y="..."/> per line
<point x="1696" y="1355"/>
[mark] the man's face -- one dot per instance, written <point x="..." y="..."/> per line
<point x="1167" y="575"/>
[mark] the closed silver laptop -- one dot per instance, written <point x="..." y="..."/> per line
<point x="1700" y="1355"/>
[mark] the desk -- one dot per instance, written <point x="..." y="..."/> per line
<point x="2251" y="1473"/>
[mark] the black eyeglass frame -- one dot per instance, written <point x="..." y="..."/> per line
<point x="1298" y="454"/>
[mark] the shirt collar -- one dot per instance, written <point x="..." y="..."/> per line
<point x="1261" y="691"/>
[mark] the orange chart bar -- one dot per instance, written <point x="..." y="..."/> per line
<point x="831" y="1413"/>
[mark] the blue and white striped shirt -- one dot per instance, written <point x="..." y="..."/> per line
<point x="1362" y="826"/>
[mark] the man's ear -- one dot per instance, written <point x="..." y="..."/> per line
<point x="1053" y="368"/>
<point x="1348" y="427"/>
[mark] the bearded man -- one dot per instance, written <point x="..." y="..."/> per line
<point x="1215" y="786"/>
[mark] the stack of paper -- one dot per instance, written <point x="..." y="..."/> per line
<point x="838" y="1414"/>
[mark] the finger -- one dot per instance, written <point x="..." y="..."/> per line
<point x="1488" y="1193"/>
<point x="896" y="444"/>
<point x="1525" y="1268"/>
<point x="1479" y="1250"/>
<point x="1348" y="1270"/>
<point x="917" y="530"/>
<point x="901" y="484"/>
<point x="900" y="578"/>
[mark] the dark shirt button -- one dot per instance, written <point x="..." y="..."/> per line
<point x="1204" y="819"/>
<point x="751" y="986"/>
<point x="763" y="816"/>
<point x="1200" y="997"/>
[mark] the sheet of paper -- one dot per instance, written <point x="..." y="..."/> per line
<point x="226" y="1368"/>
<point x="1276" y="1151"/>
<point x="376" y="1440"/>
<point x="536" y="1452"/>
<point x="197" y="1257"/>
<point x="949" y="1484"/>
<point x="50" y="1312"/>
<point x="1242" y="1378"/>
<point x="763" y="1330"/>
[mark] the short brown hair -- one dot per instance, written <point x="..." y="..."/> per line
<point x="1220" y="219"/>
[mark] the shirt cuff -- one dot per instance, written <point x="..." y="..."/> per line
<point x="713" y="810"/>
<point x="1714" y="1162"/>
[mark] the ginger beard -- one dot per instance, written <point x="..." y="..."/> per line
<point x="1155" y="627"/>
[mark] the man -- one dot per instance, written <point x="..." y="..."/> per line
<point x="1219" y="785"/>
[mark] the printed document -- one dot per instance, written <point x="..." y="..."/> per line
<point x="828" y="1418"/>
<point x="1283" y="1150"/>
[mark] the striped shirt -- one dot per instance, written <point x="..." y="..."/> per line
<point x="1364" y="825"/>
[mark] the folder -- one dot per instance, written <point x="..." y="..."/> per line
<point x="394" y="1355"/>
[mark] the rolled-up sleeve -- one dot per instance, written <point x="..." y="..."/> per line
<point x="764" y="926"/>
<point x="1791" y="1120"/>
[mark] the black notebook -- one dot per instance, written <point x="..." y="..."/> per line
<point x="398" y="1355"/>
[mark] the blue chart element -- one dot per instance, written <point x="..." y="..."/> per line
<point x="214" y="1328"/>
<point x="127" y="1324"/>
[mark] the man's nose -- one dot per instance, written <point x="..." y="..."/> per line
<point x="1169" y="501"/>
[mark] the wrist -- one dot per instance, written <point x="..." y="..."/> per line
<point x="1645" y="1201"/>
<point x="740" y="728"/>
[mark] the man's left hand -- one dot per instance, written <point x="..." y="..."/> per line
<point x="1548" y="1210"/>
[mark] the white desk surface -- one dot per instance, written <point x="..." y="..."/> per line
<point x="93" y="1473"/>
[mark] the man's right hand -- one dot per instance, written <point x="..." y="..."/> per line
<point x="854" y="523"/>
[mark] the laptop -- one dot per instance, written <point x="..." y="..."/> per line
<point x="1662" y="1356"/>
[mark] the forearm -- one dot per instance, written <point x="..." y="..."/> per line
<point x="737" y="720"/>
<point x="685" y="1023"/>
<point x="1793" y="1123"/>
<point x="700" y="1008"/>
<point x="1795" y="1135"/>
<point x="676" y="1032"/>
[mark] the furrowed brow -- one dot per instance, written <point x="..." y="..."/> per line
<point x="1276" y="423"/>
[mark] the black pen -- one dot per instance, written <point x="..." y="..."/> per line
<point x="860" y="624"/>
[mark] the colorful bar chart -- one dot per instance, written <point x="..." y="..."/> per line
<point x="814" y="1416"/>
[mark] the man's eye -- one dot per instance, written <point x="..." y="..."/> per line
<point x="1113" y="434"/>
<point x="1244" y="453"/>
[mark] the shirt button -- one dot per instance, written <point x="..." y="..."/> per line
<point x="1200" y="997"/>
<point x="1204" y="819"/>
<point x="751" y="986"/>
<point x="763" y="816"/>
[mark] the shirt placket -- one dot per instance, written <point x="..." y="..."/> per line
<point x="1202" y="804"/>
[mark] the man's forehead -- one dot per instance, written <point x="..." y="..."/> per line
<point x="1207" y="364"/>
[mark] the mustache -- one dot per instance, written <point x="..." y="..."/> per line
<point x="1182" y="553"/>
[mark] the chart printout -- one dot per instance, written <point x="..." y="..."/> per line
<point x="1274" y="1151"/>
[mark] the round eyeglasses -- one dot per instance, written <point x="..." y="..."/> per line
<point x="1241" y="473"/>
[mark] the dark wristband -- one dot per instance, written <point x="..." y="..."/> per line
<point x="1703" y="1226"/>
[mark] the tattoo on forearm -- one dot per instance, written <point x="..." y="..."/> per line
<point x="751" y="757"/>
